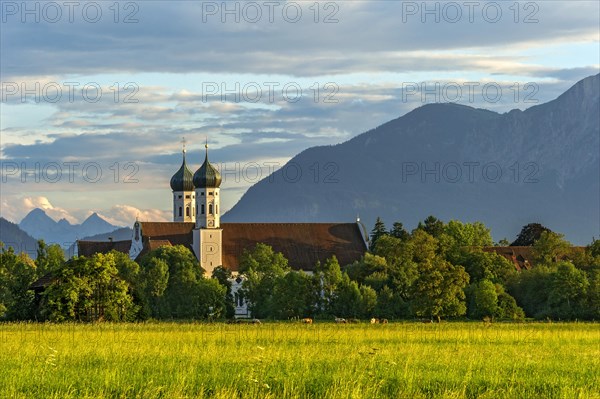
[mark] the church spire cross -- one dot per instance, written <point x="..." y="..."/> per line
<point x="183" y="144"/>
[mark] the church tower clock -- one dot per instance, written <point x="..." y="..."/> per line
<point x="207" y="234"/>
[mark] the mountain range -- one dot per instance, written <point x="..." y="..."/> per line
<point x="453" y="162"/>
<point x="41" y="226"/>
<point x="12" y="236"/>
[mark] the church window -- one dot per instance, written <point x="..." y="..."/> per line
<point x="193" y="211"/>
<point x="180" y="210"/>
<point x="203" y="209"/>
<point x="179" y="196"/>
<point x="210" y="209"/>
<point x="210" y="193"/>
<point x="217" y="209"/>
<point x="202" y="193"/>
<point x="187" y="211"/>
<point x="187" y="197"/>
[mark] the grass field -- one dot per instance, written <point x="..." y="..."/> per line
<point x="286" y="360"/>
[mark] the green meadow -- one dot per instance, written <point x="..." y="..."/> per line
<point x="293" y="360"/>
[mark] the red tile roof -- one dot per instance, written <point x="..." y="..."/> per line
<point x="88" y="248"/>
<point x="303" y="244"/>
<point x="521" y="257"/>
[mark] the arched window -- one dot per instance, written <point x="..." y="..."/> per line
<point x="193" y="211"/>
<point x="187" y="211"/>
<point x="217" y="209"/>
<point x="202" y="209"/>
<point x="180" y="210"/>
<point x="210" y="209"/>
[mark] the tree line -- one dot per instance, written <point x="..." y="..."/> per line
<point x="436" y="271"/>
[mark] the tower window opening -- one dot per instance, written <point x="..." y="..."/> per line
<point x="202" y="209"/>
<point x="180" y="212"/>
<point x="217" y="209"/>
<point x="187" y="211"/>
<point x="210" y="209"/>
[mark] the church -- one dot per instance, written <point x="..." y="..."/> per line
<point x="197" y="225"/>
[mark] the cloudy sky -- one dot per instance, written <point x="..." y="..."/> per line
<point x="96" y="96"/>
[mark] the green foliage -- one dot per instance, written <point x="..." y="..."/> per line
<point x="457" y="237"/>
<point x="327" y="277"/>
<point x="529" y="235"/>
<point x="486" y="265"/>
<point x="507" y="306"/>
<point x="223" y="276"/>
<point x="17" y="273"/>
<point x="49" y="258"/>
<point x="367" y="265"/>
<point x="550" y="248"/>
<point x="262" y="268"/>
<point x="378" y="231"/>
<point x="439" y="290"/>
<point x="398" y="231"/>
<point x="293" y="296"/>
<point x="88" y="289"/>
<point x="176" y="287"/>
<point x="432" y="226"/>
<point x="568" y="290"/>
<point x="348" y="299"/>
<point x="483" y="300"/>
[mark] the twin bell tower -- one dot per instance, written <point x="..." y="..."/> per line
<point x="196" y="200"/>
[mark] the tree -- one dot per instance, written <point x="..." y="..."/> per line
<point x="390" y="305"/>
<point x="484" y="300"/>
<point x="223" y="276"/>
<point x="87" y="289"/>
<point x="17" y="273"/>
<point x="368" y="301"/>
<point x="458" y="237"/>
<point x="531" y="289"/>
<point x="486" y="265"/>
<point x="262" y="267"/>
<point x="177" y="288"/>
<point x="398" y="231"/>
<point x="550" y="248"/>
<point x="568" y="291"/>
<point x="327" y="277"/>
<point x="348" y="299"/>
<point x="439" y="290"/>
<point x="507" y="306"/>
<point x="293" y="296"/>
<point x="49" y="258"/>
<point x="529" y="235"/>
<point x="432" y="226"/>
<point x="368" y="264"/>
<point x="378" y="231"/>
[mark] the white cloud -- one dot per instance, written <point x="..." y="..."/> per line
<point x="15" y="209"/>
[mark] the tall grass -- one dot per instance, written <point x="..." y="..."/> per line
<point x="285" y="360"/>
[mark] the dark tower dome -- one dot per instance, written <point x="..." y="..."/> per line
<point x="182" y="180"/>
<point x="207" y="176"/>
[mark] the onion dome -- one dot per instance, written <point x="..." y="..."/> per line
<point x="207" y="176"/>
<point x="182" y="180"/>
